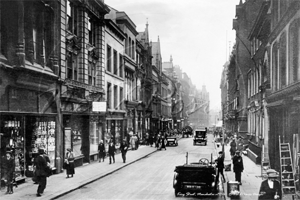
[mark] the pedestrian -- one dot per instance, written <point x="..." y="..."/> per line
<point x="220" y="166"/>
<point x="157" y="140"/>
<point x="132" y="142"/>
<point x="101" y="151"/>
<point x="70" y="167"/>
<point x="270" y="188"/>
<point x="8" y="172"/>
<point x="124" y="148"/>
<point x="137" y="141"/>
<point x="232" y="147"/>
<point x="151" y="139"/>
<point x="163" y="142"/>
<point x="238" y="166"/>
<point x="41" y="174"/>
<point x="111" y="152"/>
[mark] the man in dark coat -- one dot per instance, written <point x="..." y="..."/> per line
<point x="220" y="167"/>
<point x="232" y="147"/>
<point x="238" y="166"/>
<point x="270" y="188"/>
<point x="111" y="152"/>
<point x="101" y="150"/>
<point x="41" y="174"/>
<point x="8" y="168"/>
<point x="124" y="148"/>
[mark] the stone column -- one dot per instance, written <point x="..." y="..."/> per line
<point x="20" y="51"/>
<point x="56" y="38"/>
<point x="40" y="36"/>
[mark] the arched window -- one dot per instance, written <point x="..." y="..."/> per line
<point x="282" y="61"/>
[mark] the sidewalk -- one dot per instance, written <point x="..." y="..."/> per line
<point x="58" y="184"/>
<point x="251" y="176"/>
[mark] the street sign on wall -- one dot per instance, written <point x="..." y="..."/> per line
<point x="99" y="106"/>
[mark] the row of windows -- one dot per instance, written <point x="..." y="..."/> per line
<point x="114" y="97"/>
<point x="114" y="62"/>
<point x="285" y="61"/>
<point x="130" y="47"/>
<point x="38" y="37"/>
<point x="254" y="82"/>
<point x="255" y="124"/>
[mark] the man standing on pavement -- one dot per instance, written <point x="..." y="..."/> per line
<point x="41" y="174"/>
<point x="238" y="166"/>
<point x="270" y="188"/>
<point x="111" y="152"/>
<point x="220" y="167"/>
<point x="124" y="148"/>
<point x="101" y="150"/>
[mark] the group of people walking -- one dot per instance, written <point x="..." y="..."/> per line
<point x="269" y="189"/>
<point x="112" y="150"/>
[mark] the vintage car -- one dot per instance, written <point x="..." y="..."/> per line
<point x="195" y="179"/>
<point x="200" y="136"/>
<point x="172" y="140"/>
<point x="187" y="131"/>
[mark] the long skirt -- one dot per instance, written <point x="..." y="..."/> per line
<point x="70" y="168"/>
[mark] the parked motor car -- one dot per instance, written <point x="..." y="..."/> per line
<point x="172" y="140"/>
<point x="197" y="178"/>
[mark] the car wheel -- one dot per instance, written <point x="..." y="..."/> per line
<point x="176" y="191"/>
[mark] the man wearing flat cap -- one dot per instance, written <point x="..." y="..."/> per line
<point x="270" y="188"/>
<point x="238" y="166"/>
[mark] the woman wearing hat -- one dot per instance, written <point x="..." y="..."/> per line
<point x="70" y="163"/>
<point x="270" y="188"/>
<point x="8" y="172"/>
<point x="101" y="150"/>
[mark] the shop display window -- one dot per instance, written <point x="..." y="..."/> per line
<point x="95" y="135"/>
<point x="114" y="131"/>
<point x="118" y="131"/>
<point x="43" y="136"/>
<point x="12" y="140"/>
<point x="73" y="134"/>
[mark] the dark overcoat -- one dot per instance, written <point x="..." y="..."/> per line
<point x="238" y="165"/>
<point x="269" y="193"/>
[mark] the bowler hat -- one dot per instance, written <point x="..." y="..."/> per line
<point x="41" y="151"/>
<point x="271" y="173"/>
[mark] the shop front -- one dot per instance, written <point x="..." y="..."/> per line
<point x="23" y="135"/>
<point x="82" y="133"/>
<point x="114" y="129"/>
<point x="28" y="119"/>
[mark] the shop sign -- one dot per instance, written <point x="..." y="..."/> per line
<point x="99" y="106"/>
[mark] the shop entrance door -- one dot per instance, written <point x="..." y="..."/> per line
<point x="85" y="148"/>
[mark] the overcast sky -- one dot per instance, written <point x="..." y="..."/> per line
<point x="197" y="33"/>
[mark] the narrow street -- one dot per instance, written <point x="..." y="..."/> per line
<point x="149" y="178"/>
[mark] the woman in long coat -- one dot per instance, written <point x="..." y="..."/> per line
<point x="70" y="167"/>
